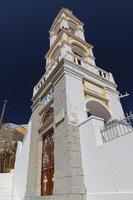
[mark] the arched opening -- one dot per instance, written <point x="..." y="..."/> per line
<point x="79" y="50"/>
<point x="98" y="109"/>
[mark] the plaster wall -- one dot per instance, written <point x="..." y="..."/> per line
<point x="108" y="167"/>
<point x="110" y="91"/>
<point x="21" y="165"/>
<point x="75" y="99"/>
<point x="35" y="153"/>
<point x="115" y="105"/>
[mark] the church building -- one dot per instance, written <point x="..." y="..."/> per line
<point x="79" y="144"/>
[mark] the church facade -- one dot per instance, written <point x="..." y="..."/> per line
<point x="74" y="148"/>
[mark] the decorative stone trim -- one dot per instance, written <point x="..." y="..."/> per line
<point x="90" y="81"/>
<point x="36" y="104"/>
<point x="97" y="95"/>
<point x="59" y="70"/>
<point x="87" y="72"/>
<point x="49" y="104"/>
<point x="47" y="119"/>
<point x="45" y="87"/>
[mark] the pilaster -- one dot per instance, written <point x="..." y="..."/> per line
<point x="69" y="182"/>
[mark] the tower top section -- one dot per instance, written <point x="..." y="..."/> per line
<point x="67" y="43"/>
<point x="65" y="14"/>
<point x="67" y="40"/>
<point x="67" y="21"/>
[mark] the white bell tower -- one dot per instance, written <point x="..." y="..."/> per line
<point x="67" y="43"/>
<point x="72" y="89"/>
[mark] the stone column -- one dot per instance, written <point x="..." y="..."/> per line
<point x="69" y="180"/>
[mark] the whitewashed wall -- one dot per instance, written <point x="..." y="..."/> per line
<point x="115" y="105"/>
<point x="108" y="168"/>
<point x="21" y="165"/>
<point x="76" y="105"/>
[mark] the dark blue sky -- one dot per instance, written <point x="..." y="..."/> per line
<point x="24" y="26"/>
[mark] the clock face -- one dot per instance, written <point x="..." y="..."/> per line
<point x="48" y="96"/>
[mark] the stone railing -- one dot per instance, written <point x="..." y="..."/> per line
<point x="52" y="65"/>
<point x="38" y="85"/>
<point x="96" y="70"/>
<point x="79" y="61"/>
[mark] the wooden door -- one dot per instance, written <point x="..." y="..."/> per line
<point x="47" y="179"/>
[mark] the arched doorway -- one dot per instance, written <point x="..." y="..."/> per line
<point x="98" y="109"/>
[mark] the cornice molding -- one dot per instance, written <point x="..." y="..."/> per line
<point x="93" y="82"/>
<point x="36" y="104"/>
<point x="45" y="87"/>
<point x="64" y="67"/>
<point x="43" y="130"/>
<point x="108" y="89"/>
<point x="45" y="107"/>
<point x="91" y="93"/>
<point x="86" y="71"/>
<point x="48" y="82"/>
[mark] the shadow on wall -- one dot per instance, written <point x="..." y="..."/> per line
<point x="98" y="109"/>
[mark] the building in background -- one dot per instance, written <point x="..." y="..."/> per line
<point x="10" y="134"/>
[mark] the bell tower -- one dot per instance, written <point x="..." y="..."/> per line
<point x="67" y="40"/>
<point x="72" y="89"/>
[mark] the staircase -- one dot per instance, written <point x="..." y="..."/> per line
<point x="6" y="182"/>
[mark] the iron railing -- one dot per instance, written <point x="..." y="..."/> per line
<point x="117" y="128"/>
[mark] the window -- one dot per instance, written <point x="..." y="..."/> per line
<point x="104" y="75"/>
<point x="100" y="73"/>
<point x="88" y="114"/>
<point x="79" y="61"/>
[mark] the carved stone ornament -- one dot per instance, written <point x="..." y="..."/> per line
<point x="47" y="119"/>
